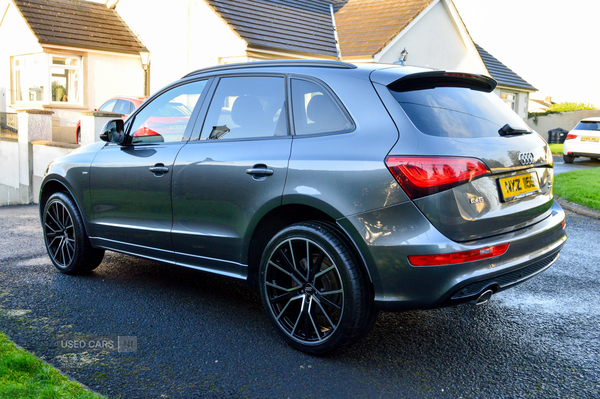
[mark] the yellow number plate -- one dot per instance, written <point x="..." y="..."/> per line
<point x="587" y="138"/>
<point x="515" y="187"/>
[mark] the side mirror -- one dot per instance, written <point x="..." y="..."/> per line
<point x="113" y="132"/>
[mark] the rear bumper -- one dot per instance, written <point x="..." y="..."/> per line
<point x="584" y="154"/>
<point x="386" y="238"/>
<point x="578" y="148"/>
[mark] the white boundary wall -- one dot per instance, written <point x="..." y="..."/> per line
<point x="566" y="120"/>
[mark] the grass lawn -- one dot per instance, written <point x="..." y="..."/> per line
<point x="557" y="149"/>
<point x="580" y="186"/>
<point x="22" y="375"/>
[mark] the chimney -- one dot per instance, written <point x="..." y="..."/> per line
<point x="548" y="100"/>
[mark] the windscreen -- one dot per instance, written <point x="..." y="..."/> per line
<point x="457" y="112"/>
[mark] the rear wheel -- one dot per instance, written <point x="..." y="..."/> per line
<point x="67" y="243"/>
<point x="314" y="291"/>
<point x="568" y="158"/>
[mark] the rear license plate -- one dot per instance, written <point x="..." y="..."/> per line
<point x="587" y="138"/>
<point x="515" y="187"/>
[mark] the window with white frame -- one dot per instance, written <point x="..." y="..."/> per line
<point x="48" y="79"/>
<point x="30" y="78"/>
<point x="510" y="99"/>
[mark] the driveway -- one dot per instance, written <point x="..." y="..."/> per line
<point x="200" y="336"/>
<point x="579" y="163"/>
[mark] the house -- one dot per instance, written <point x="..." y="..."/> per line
<point x="189" y="34"/>
<point x="512" y="88"/>
<point x="63" y="56"/>
<point x="540" y="105"/>
<point x="207" y="32"/>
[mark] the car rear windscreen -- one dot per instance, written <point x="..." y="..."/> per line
<point x="587" y="125"/>
<point x="457" y="112"/>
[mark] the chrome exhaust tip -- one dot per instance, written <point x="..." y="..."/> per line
<point x="483" y="298"/>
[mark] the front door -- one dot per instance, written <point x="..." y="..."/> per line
<point x="131" y="184"/>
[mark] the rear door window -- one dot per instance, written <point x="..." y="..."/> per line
<point x="457" y="112"/>
<point x="122" y="107"/>
<point x="247" y="107"/>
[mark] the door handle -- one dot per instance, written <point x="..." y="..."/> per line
<point x="259" y="171"/>
<point x="159" y="169"/>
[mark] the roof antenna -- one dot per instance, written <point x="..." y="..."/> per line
<point x="402" y="59"/>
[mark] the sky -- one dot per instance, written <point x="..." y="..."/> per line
<point x="552" y="44"/>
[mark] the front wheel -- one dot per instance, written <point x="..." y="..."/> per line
<point x="67" y="243"/>
<point x="314" y="292"/>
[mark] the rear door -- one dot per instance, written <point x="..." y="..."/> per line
<point x="232" y="174"/>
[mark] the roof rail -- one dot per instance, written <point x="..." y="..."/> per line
<point x="287" y="63"/>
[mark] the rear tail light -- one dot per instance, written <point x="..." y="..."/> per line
<point x="458" y="257"/>
<point x="421" y="176"/>
<point x="571" y="136"/>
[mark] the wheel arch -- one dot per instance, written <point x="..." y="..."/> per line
<point x="53" y="185"/>
<point x="286" y="215"/>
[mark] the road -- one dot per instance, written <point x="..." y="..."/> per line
<point x="202" y="336"/>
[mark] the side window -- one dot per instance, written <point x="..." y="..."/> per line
<point x="122" y="107"/>
<point x="108" y="106"/>
<point x="246" y="107"/>
<point x="165" y="118"/>
<point x="315" y="111"/>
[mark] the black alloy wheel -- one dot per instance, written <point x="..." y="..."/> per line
<point x="66" y="241"/>
<point x="313" y="290"/>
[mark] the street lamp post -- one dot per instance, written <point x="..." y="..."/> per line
<point x="145" y="58"/>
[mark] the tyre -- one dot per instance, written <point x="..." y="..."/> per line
<point x="313" y="289"/>
<point x="79" y="136"/>
<point x="66" y="241"/>
<point x="568" y="158"/>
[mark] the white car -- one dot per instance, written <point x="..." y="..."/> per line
<point x="583" y="140"/>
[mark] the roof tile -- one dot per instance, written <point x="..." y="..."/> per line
<point x="365" y="27"/>
<point x="302" y="26"/>
<point x="503" y="75"/>
<point x="80" y="24"/>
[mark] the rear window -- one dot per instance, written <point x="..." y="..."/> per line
<point x="457" y="112"/>
<point x="587" y="125"/>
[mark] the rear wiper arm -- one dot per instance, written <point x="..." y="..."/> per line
<point x="508" y="130"/>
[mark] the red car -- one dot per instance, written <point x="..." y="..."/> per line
<point x="120" y="104"/>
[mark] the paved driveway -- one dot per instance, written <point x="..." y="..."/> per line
<point x="580" y="163"/>
<point x="203" y="336"/>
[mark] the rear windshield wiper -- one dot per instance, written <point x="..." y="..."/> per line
<point x="508" y="130"/>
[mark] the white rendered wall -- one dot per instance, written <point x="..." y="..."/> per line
<point x="182" y="36"/>
<point x="9" y="161"/>
<point x="434" y="41"/>
<point x="15" y="39"/>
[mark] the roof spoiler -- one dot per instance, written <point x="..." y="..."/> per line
<point x="433" y="79"/>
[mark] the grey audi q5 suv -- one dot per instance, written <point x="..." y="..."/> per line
<point x="337" y="189"/>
